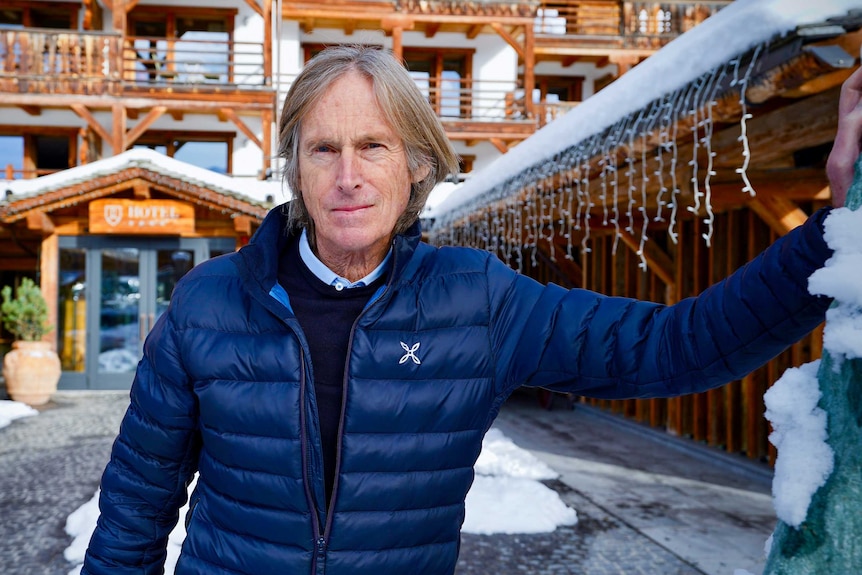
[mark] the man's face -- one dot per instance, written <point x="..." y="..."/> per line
<point x="353" y="173"/>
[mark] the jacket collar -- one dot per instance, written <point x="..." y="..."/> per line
<point x="261" y="255"/>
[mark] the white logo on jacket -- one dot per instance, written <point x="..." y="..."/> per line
<point x="411" y="353"/>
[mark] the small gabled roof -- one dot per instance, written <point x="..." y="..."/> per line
<point x="104" y="177"/>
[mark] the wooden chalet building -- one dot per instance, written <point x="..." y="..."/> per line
<point x="87" y="82"/>
<point x="660" y="200"/>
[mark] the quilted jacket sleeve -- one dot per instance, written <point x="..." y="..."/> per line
<point x="610" y="347"/>
<point x="152" y="462"/>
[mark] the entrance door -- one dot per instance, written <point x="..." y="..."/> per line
<point x="135" y="281"/>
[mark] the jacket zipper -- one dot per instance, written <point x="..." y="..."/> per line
<point x="322" y="540"/>
<point x="303" y="423"/>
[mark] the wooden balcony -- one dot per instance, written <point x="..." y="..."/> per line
<point x="572" y="29"/>
<point x="43" y="61"/>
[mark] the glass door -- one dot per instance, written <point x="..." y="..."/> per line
<point x="132" y="282"/>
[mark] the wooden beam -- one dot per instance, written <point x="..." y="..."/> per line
<point x="510" y="40"/>
<point x="199" y="102"/>
<point x="267" y="41"/>
<point x="779" y="213"/>
<point x="255" y="6"/>
<point x="501" y="146"/>
<point x="306" y="25"/>
<point x="242" y="225"/>
<point x="570" y="60"/>
<point x="49" y="280"/>
<point x="242" y="126"/>
<point x="40" y="222"/>
<point x="474" y="31"/>
<point x="141" y="189"/>
<point x="118" y="134"/>
<point x="397" y="42"/>
<point x="266" y="120"/>
<point x="624" y="63"/>
<point x="84" y="113"/>
<point x="431" y="29"/>
<point x="658" y="262"/>
<point x="529" y="58"/>
<point x="32" y="110"/>
<point x="141" y="127"/>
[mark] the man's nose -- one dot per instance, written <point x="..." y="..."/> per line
<point x="349" y="170"/>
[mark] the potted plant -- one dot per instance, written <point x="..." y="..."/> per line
<point x="32" y="368"/>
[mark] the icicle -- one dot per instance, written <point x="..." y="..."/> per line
<point x="710" y="156"/>
<point x="585" y="248"/>
<point x="695" y="132"/>
<point x="518" y="244"/>
<point x="603" y="184"/>
<point x="642" y="207"/>
<point x="570" y="224"/>
<point x="743" y="135"/>
<point x="662" y="148"/>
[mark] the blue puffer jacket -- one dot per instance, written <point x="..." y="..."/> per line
<point x="225" y="388"/>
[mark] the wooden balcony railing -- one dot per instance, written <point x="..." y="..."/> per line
<point x="629" y="23"/>
<point x="67" y="62"/>
<point x="462" y="99"/>
<point x="150" y="61"/>
<point x="547" y="112"/>
<point x="43" y="61"/>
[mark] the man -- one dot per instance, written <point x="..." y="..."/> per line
<point x="334" y="393"/>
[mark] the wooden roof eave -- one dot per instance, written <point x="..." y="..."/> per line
<point x="790" y="71"/>
<point x="106" y="185"/>
<point x="385" y="12"/>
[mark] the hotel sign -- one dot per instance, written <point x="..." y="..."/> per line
<point x="163" y="217"/>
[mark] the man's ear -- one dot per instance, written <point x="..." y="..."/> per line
<point x="421" y="173"/>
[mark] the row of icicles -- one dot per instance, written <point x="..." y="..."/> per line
<point x="558" y="195"/>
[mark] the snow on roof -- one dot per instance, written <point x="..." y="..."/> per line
<point x="733" y="31"/>
<point x="247" y="189"/>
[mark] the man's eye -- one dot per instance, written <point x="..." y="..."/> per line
<point x="374" y="145"/>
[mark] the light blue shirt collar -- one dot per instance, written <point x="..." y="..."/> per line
<point x="329" y="277"/>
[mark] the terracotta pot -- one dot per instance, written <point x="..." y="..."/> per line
<point x="32" y="370"/>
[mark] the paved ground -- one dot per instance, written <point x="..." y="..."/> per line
<point x="645" y="506"/>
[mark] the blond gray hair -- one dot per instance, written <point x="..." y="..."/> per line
<point x="408" y="113"/>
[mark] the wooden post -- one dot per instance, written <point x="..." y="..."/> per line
<point x="266" y="139"/>
<point x="49" y="280"/>
<point x="118" y="133"/>
<point x="529" y="70"/>
<point x="397" y="48"/>
<point x="267" y="42"/>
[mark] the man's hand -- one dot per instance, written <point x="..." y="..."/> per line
<point x="845" y="151"/>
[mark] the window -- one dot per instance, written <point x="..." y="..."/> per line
<point x="208" y="150"/>
<point x="445" y="77"/>
<point x="181" y="44"/>
<point x="25" y="14"/>
<point x="36" y="152"/>
<point x="12" y="156"/>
